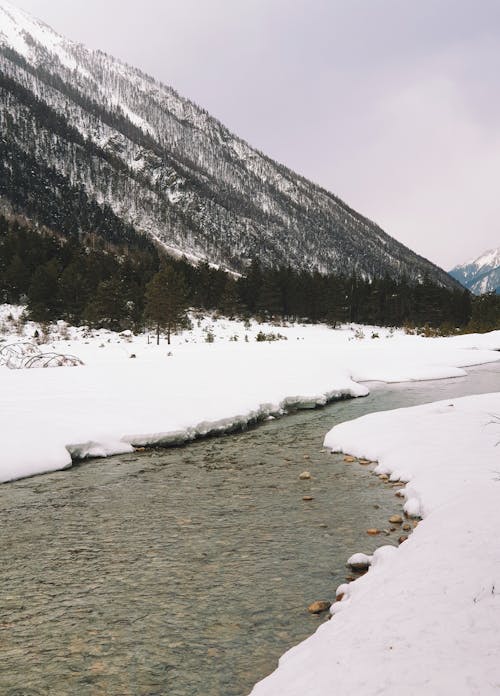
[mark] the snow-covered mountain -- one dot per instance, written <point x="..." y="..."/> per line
<point x="90" y="144"/>
<point x="482" y="274"/>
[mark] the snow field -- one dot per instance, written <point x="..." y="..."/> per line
<point x="173" y="394"/>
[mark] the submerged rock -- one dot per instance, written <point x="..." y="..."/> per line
<point x="305" y="476"/>
<point x="396" y="519"/>
<point x="319" y="607"/>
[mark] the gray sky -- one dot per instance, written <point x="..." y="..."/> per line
<point x="394" y="105"/>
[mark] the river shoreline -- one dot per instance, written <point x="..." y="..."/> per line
<point x="440" y="583"/>
<point x="116" y="514"/>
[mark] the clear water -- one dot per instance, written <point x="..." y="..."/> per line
<point x="188" y="571"/>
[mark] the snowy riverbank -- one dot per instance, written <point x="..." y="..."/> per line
<point x="170" y="394"/>
<point x="425" y="619"/>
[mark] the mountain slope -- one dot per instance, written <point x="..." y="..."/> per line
<point x="482" y="274"/>
<point x="165" y="167"/>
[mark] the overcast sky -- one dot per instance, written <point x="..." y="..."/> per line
<point x="394" y="105"/>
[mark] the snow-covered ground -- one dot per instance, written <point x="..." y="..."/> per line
<point x="425" y="619"/>
<point x="192" y="388"/>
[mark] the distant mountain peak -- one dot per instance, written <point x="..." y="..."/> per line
<point x="83" y="122"/>
<point x="18" y="28"/>
<point x="481" y="274"/>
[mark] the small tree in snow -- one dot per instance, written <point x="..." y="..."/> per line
<point x="167" y="302"/>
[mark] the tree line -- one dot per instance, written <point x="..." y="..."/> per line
<point x="85" y="279"/>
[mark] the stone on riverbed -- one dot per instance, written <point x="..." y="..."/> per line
<point x="319" y="607"/>
<point x="396" y="519"/>
<point x="359" y="561"/>
<point x="373" y="531"/>
<point x="305" y="476"/>
<point x="349" y="459"/>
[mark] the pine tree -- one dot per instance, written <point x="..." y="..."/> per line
<point x="108" y="306"/>
<point x="166" y="302"/>
<point x="43" y="293"/>
<point x="16" y="280"/>
<point x="230" y="301"/>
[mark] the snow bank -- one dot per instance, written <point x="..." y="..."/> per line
<point x="167" y="395"/>
<point x="425" y="619"/>
<point x="49" y="416"/>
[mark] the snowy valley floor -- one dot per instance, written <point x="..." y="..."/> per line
<point x="425" y="619"/>
<point x="167" y="395"/>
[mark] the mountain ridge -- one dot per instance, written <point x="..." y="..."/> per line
<point x="170" y="170"/>
<point x="480" y="275"/>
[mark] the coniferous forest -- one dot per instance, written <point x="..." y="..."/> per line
<point x="85" y="279"/>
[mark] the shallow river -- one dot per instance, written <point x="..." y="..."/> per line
<point x="188" y="571"/>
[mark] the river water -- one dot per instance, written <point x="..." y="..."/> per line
<point x="189" y="571"/>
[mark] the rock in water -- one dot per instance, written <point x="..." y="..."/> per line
<point x="319" y="607"/>
<point x="360" y="561"/>
<point x="396" y="519"/>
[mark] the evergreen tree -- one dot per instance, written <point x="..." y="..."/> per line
<point x="230" y="301"/>
<point x="107" y="308"/>
<point x="73" y="291"/>
<point x="16" y="280"/>
<point x="336" y="298"/>
<point x="166" y="301"/>
<point x="43" y="293"/>
<point x="269" y="299"/>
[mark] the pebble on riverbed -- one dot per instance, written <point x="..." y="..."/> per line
<point x="396" y="519"/>
<point x="373" y="531"/>
<point x="319" y="607"/>
<point x="349" y="459"/>
<point x="308" y="498"/>
<point x="305" y="476"/>
<point x="359" y="562"/>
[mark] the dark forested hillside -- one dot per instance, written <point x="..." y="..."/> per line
<point x="84" y="279"/>
<point x="89" y="145"/>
